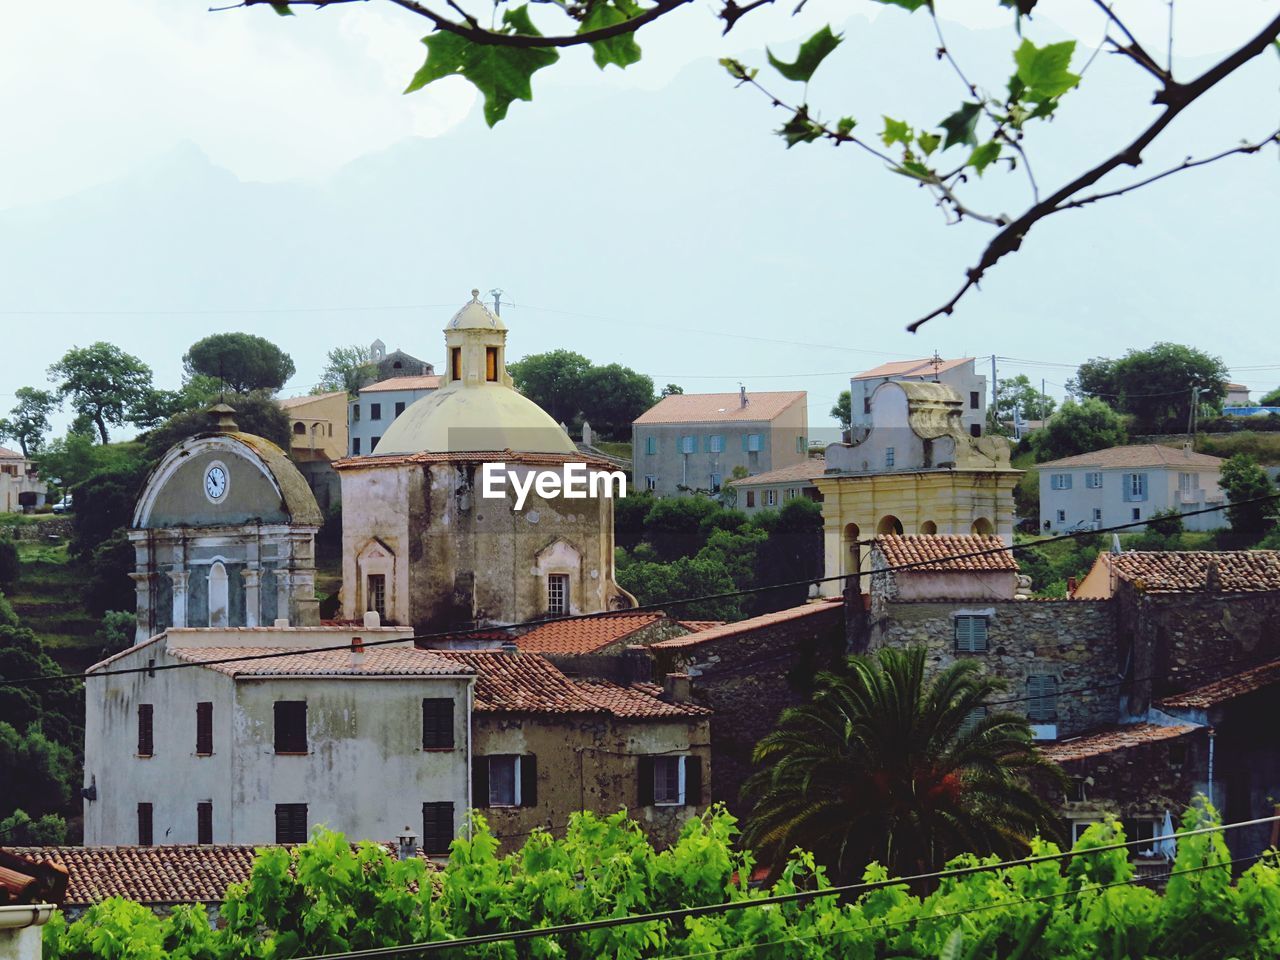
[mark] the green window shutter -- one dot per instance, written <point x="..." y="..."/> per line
<point x="1042" y="698"/>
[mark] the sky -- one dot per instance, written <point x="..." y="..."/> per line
<point x="169" y="172"/>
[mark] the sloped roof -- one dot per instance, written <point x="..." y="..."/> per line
<point x="696" y="625"/>
<point x="946" y="552"/>
<point x="429" y="381"/>
<point x="521" y="683"/>
<point x="720" y="407"/>
<point x="746" y="626"/>
<point x="910" y="368"/>
<point x="283" y="661"/>
<point x="1115" y="738"/>
<point x="805" y="470"/>
<point x="7" y="454"/>
<point x="640" y="701"/>
<point x="1227" y="689"/>
<point x="1239" y="571"/>
<point x="289" y="403"/>
<point x="584" y="636"/>
<point x="1136" y="455"/>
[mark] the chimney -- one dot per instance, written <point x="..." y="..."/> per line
<point x="356" y="658"/>
<point x="1213" y="577"/>
<point x="406" y="844"/>
<point x="1186" y="448"/>
<point x="676" y="688"/>
<point x="372" y="620"/>
<point x="742" y="396"/>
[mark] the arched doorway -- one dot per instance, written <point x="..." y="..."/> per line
<point x="888" y="524"/>
<point x="982" y="526"/>
<point x="928" y="528"/>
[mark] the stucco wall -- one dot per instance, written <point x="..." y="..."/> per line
<point x="366" y="429"/>
<point x="963" y="379"/>
<point x="251" y="495"/>
<point x="1079" y="503"/>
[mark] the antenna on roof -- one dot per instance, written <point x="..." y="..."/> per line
<point x="936" y="362"/>
<point x="496" y="293"/>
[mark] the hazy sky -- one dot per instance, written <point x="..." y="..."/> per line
<point x="645" y="216"/>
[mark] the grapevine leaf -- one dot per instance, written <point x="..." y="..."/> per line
<point x="928" y="142"/>
<point x="895" y="131"/>
<point x="800" y="129"/>
<point x="502" y="74"/>
<point x="1043" y="70"/>
<point x="960" y="125"/>
<point x="282" y="9"/>
<point x="812" y="52"/>
<point x="845" y="126"/>
<point x="621" y="50"/>
<point x="915" y="170"/>
<point x="983" y="156"/>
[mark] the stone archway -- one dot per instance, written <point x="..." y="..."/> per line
<point x="982" y="527"/>
<point x="889" y="524"/>
<point x="928" y="528"/>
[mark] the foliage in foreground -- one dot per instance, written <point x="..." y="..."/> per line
<point x="325" y="897"/>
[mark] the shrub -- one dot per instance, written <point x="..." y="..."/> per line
<point x="10" y="563"/>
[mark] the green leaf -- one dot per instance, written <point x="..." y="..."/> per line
<point x="904" y="4"/>
<point x="501" y="74"/>
<point x="800" y="129"/>
<point x="960" y="126"/>
<point x="737" y="69"/>
<point x="1043" y="70"/>
<point x="915" y="170"/>
<point x="812" y="52"/>
<point x="282" y="9"/>
<point x="845" y="126"/>
<point x="928" y="142"/>
<point x="621" y="50"/>
<point x="895" y="131"/>
<point x="983" y="156"/>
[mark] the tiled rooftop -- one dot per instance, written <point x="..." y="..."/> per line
<point x="806" y="470"/>
<point x="696" y="625"/>
<point x="7" y="454"/>
<point x="282" y="661"/>
<point x="947" y="552"/>
<point x="1135" y="455"/>
<point x="719" y="407"/>
<point x="1239" y="571"/>
<point x="910" y="368"/>
<point x="1113" y="739"/>
<point x="1226" y="689"/>
<point x="585" y="635"/>
<point x="288" y="403"/>
<point x="746" y="626"/>
<point x="638" y="701"/>
<point x="25" y="880"/>
<point x="423" y="382"/>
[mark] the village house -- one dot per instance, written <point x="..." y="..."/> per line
<point x="318" y="436"/>
<point x="959" y="374"/>
<point x="1122" y="485"/>
<point x="21" y="489"/>
<point x="691" y="442"/>
<point x="774" y="489"/>
<point x="380" y="404"/>
<point x="397" y="363"/>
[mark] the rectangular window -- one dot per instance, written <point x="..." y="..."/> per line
<point x="437" y="827"/>
<point x="1042" y="698"/>
<point x="688" y="444"/>
<point x="670" y="781"/>
<point x="890" y="457"/>
<point x="1097" y="514"/>
<point x="972" y="719"/>
<point x="558" y="593"/>
<point x="491" y="364"/>
<point x="291" y="727"/>
<point x="651" y="482"/>
<point x="455" y="363"/>
<point x="504" y="780"/>
<point x="751" y="498"/>
<point x="715" y="443"/>
<point x="801" y="447"/>
<point x="146" y="739"/>
<point x="291" y="823"/>
<point x="666" y="781"/>
<point x="144" y="825"/>
<point x="373" y="444"/>
<point x="375" y="411"/>
<point x="754" y="442"/>
<point x="437" y="723"/>
<point x="204" y="728"/>
<point x="970" y="633"/>
<point x="376" y="594"/>
<point x="399" y="407"/>
<point x="1062" y="516"/>
<point x="771" y="498"/>
<point x="1188" y="482"/>
<point x="1137" y="513"/>
<point x="204" y="822"/>
<point x="355" y="446"/>
<point x="1135" y="486"/>
<point x="650" y="444"/>
<point x="866" y="404"/>
<point x="788" y="494"/>
<point x="1093" y="481"/>
<point x="975" y="400"/>
<point x="1060" y="481"/>
<point x="355" y="413"/>
<point x="714" y="481"/>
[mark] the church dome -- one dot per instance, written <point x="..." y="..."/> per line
<point x="474" y="315"/>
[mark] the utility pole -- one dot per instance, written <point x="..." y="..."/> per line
<point x="1044" y="401"/>
<point x="994" y="396"/>
<point x="1194" y="415"/>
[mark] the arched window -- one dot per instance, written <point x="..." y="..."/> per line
<point x="219" y="601"/>
<point x="300" y="428"/>
<point x="888" y="524"/>
<point x="982" y="526"/>
<point x="928" y="528"/>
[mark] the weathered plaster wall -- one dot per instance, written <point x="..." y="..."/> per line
<point x="251" y="495"/>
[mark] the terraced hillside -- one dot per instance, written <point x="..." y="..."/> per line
<point x="47" y="598"/>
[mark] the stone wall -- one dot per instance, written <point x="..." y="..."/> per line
<point x="1073" y="640"/>
<point x="748" y="673"/>
<point x="42" y="530"/>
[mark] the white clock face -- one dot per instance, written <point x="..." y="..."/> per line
<point x="215" y="482"/>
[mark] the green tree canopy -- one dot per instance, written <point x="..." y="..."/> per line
<point x="28" y="421"/>
<point x="1018" y="393"/>
<point x="347" y="368"/>
<point x="842" y="411"/>
<point x="672" y="389"/>
<point x="886" y="765"/>
<point x="105" y="385"/>
<point x="1271" y="399"/>
<point x="243" y="361"/>
<point x="254" y="413"/>
<point x="1243" y="479"/>
<point x="1154" y="386"/>
<point x="613" y="396"/>
<point x="1078" y="428"/>
<point x="571" y="388"/>
<point x="554" y="381"/>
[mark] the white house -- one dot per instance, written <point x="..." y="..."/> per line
<point x="262" y="750"/>
<point x="21" y="489"/>
<point x="380" y="404"/>
<point x="959" y="374"/>
<point x="1124" y="484"/>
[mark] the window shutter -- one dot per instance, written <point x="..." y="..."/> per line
<point x="529" y="780"/>
<point x="144" y="825"/>
<point x="479" y="782"/>
<point x="291" y="726"/>
<point x="146" y="741"/>
<point x="204" y="727"/>
<point x="437" y="827"/>
<point x="693" y="781"/>
<point x="1042" y="694"/>
<point x="745" y="440"/>
<point x="437" y="723"/>
<point x="645" y="782"/>
<point x="978" y="627"/>
<point x="204" y="823"/>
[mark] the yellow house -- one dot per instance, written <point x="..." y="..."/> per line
<point x="916" y="470"/>
<point x="318" y="428"/>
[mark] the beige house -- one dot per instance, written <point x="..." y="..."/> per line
<point x="774" y="489"/>
<point x="21" y="488"/>
<point x="318" y="427"/>
<point x="692" y="442"/>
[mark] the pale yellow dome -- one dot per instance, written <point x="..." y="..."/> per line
<point x="460" y="418"/>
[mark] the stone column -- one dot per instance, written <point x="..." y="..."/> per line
<point x="142" y="587"/>
<point x="252" y="582"/>
<point x="180" y="579"/>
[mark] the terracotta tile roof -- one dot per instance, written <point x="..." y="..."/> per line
<point x="288" y="403"/>
<point x="640" y="701"/>
<point x="1115" y="738"/>
<point x="909" y="368"/>
<point x="720" y="407"/>
<point x="584" y="636"/>
<point x="521" y="683"/>
<point x="946" y="552"/>
<point x="1239" y="571"/>
<point x="7" y="454"/>
<point x="474" y="456"/>
<point x="696" y="625"/>
<point x="25" y="880"/>
<point x="424" y="382"/>
<point x="746" y="626"/>
<point x="377" y="661"/>
<point x="1136" y="455"/>
<point x="807" y="469"/>
<point x="1226" y="689"/>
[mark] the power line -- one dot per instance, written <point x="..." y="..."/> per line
<point x="660" y="606"/>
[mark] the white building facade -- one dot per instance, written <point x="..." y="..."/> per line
<point x="961" y="375"/>
<point x="1129" y="484"/>
<point x="379" y="405"/>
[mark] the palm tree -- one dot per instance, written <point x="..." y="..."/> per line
<point x="885" y="765"/>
